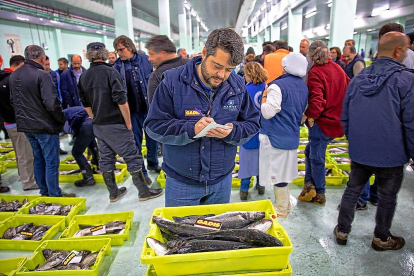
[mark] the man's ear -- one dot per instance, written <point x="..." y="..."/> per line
<point x="204" y="52"/>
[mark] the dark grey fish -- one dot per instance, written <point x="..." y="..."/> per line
<point x="40" y="232"/>
<point x="71" y="267"/>
<point x="12" y="206"/>
<point x="66" y="209"/>
<point x="55" y="260"/>
<point x="194" y="246"/>
<point x="90" y="259"/>
<point x="9" y="233"/>
<point x="237" y="219"/>
<point x="47" y="253"/>
<point x="84" y="254"/>
<point x="248" y="236"/>
<point x="190" y="219"/>
<point x="180" y="229"/>
<point x="21" y="237"/>
<point x="24" y="227"/>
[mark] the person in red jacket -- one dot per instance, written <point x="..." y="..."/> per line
<point x="327" y="83"/>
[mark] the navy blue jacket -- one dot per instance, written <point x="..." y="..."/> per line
<point x="349" y="69"/>
<point x="75" y="116"/>
<point x="172" y="117"/>
<point x="283" y="128"/>
<point x="69" y="88"/>
<point x="56" y="81"/>
<point x="255" y="91"/>
<point x="142" y="70"/>
<point x="378" y="114"/>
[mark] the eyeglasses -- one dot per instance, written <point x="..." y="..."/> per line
<point x="121" y="49"/>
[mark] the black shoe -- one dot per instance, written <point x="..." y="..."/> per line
<point x="144" y="193"/>
<point x="68" y="194"/>
<point x="341" y="238"/>
<point x="260" y="190"/>
<point x="87" y="177"/>
<point x="155" y="168"/>
<point x="114" y="193"/>
<point x="373" y="202"/>
<point x="243" y="195"/>
<point x="4" y="189"/>
<point x="361" y="206"/>
<point x="62" y="152"/>
<point x="32" y="188"/>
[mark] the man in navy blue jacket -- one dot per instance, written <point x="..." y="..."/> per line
<point x="135" y="70"/>
<point x="378" y="119"/>
<point x="187" y="100"/>
<point x="69" y="82"/>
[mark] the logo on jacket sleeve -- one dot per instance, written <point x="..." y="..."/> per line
<point x="230" y="106"/>
<point x="192" y="113"/>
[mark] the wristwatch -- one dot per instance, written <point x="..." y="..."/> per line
<point x="310" y="120"/>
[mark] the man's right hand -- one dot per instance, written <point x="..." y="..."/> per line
<point x="201" y="124"/>
<point x="128" y="125"/>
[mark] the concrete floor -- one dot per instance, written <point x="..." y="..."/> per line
<point x="309" y="226"/>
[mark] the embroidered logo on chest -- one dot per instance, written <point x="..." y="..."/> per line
<point x="192" y="113"/>
<point x="230" y="106"/>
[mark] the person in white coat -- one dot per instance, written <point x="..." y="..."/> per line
<point x="283" y="104"/>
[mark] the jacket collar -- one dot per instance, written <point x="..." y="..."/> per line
<point x="168" y="61"/>
<point x="33" y="63"/>
<point x="94" y="64"/>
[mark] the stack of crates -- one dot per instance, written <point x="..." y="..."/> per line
<point x="256" y="261"/>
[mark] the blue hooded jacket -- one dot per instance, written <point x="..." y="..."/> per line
<point x="378" y="114"/>
<point x="174" y="112"/>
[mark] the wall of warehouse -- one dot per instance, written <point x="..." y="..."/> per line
<point x="72" y="42"/>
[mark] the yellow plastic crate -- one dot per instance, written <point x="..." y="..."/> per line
<point x="161" y="179"/>
<point x="10" y="266"/>
<point x="58" y="225"/>
<point x="79" y="204"/>
<point x="5" y="215"/>
<point x="99" y="219"/>
<point x="256" y="259"/>
<point x="284" y="272"/>
<point x="119" y="177"/>
<point x="236" y="182"/>
<point x="69" y="178"/>
<point x="20" y="198"/>
<point x="3" y="167"/>
<point x="11" y="164"/>
<point x="335" y="180"/>
<point x="101" y="245"/>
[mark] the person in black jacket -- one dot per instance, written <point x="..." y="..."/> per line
<point x="39" y="115"/>
<point x="69" y="81"/>
<point x="21" y="145"/>
<point x="108" y="107"/>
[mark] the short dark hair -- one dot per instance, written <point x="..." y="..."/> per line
<point x="64" y="60"/>
<point x="411" y="36"/>
<point x="269" y="48"/>
<point x="352" y="49"/>
<point x="33" y="52"/>
<point x="160" y="43"/>
<point x="16" y="60"/>
<point x="337" y="50"/>
<point x="126" y="41"/>
<point x="390" y="27"/>
<point x="281" y="44"/>
<point x="353" y="41"/>
<point x="179" y="50"/>
<point x="290" y="49"/>
<point x="47" y="58"/>
<point x="227" y="40"/>
<point x="267" y="43"/>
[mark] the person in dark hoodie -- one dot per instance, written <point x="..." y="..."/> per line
<point x="378" y="120"/>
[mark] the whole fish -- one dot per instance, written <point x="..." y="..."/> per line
<point x="194" y="246"/>
<point x="24" y="227"/>
<point x="83" y="232"/>
<point x="159" y="248"/>
<point x="90" y="259"/>
<point x="50" y="209"/>
<point x="261" y="225"/>
<point x="190" y="219"/>
<point x="55" y="260"/>
<point x="248" y="236"/>
<point x="40" y="232"/>
<point x="12" y="206"/>
<point x="9" y="233"/>
<point x="180" y="229"/>
<point x="237" y="219"/>
<point x="84" y="254"/>
<point x="70" y="267"/>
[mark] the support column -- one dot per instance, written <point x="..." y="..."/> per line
<point x="362" y="43"/>
<point x="260" y="41"/>
<point x="294" y="28"/>
<point x="189" y="36"/>
<point x="368" y="46"/>
<point x="275" y="32"/>
<point x="342" y="21"/>
<point x="258" y="48"/>
<point x="123" y="18"/>
<point x="182" y="25"/>
<point x="164" y="17"/>
<point x="59" y="44"/>
<point x="196" y="33"/>
<point x="267" y="34"/>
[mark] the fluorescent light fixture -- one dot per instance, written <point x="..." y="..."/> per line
<point x="187" y="5"/>
<point x="83" y="29"/>
<point x="263" y="7"/>
<point x="370" y="30"/>
<point x="193" y="12"/>
<point x="310" y="13"/>
<point x="268" y="1"/>
<point x="355" y="32"/>
<point x="327" y="37"/>
<point x="22" y="18"/>
<point x="328" y="26"/>
<point x="41" y="19"/>
<point x="329" y="3"/>
<point x="257" y="13"/>
<point x="378" y="11"/>
<point x="198" y="19"/>
<point x="284" y="26"/>
<point x="98" y="32"/>
<point x="54" y="21"/>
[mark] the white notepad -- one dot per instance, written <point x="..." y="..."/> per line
<point x="209" y="127"/>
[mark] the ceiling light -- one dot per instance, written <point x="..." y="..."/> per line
<point x="263" y="7"/>
<point x="98" y="32"/>
<point x="310" y="13"/>
<point x="327" y="37"/>
<point x="284" y="26"/>
<point x="370" y="30"/>
<point x="198" y="19"/>
<point x="41" y="19"/>
<point x="187" y="5"/>
<point x="328" y="26"/>
<point x="329" y="3"/>
<point x="22" y="18"/>
<point x="355" y="32"/>
<point x="83" y="30"/>
<point x="54" y="21"/>
<point x="193" y="13"/>
<point x="268" y="1"/>
<point x="378" y="11"/>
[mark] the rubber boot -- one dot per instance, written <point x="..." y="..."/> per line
<point x="87" y="177"/>
<point x="144" y="193"/>
<point x="114" y="192"/>
<point x="282" y="201"/>
<point x="95" y="156"/>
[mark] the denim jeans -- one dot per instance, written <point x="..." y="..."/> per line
<point x="46" y="162"/>
<point x="315" y="158"/>
<point x="389" y="183"/>
<point x="369" y="192"/>
<point x="85" y="138"/>
<point x="245" y="184"/>
<point x="137" y="120"/>
<point x="182" y="194"/>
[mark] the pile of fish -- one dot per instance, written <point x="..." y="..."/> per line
<point x="69" y="172"/>
<point x="12" y="206"/>
<point x="50" y="209"/>
<point x="301" y="161"/>
<point x="65" y="260"/>
<point x="341" y="160"/>
<point x="239" y="230"/>
<point x="26" y="231"/>
<point x="338" y="150"/>
<point x="71" y="161"/>
<point x="8" y="146"/>
<point x="113" y="227"/>
<point x="4" y="152"/>
<point x="11" y="159"/>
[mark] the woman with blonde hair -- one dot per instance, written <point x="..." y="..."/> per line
<point x="327" y="85"/>
<point x="256" y="77"/>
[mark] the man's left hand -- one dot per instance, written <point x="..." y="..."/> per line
<point x="220" y="132"/>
